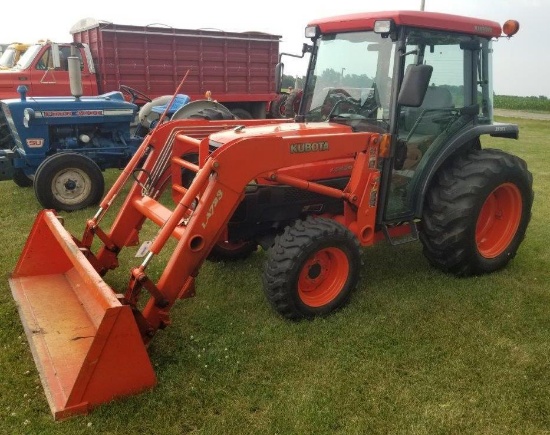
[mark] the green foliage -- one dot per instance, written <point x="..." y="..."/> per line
<point x="287" y="82"/>
<point x="540" y="103"/>
<point x="416" y="350"/>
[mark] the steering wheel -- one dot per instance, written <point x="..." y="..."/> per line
<point x="135" y="94"/>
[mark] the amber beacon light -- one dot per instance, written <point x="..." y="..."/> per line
<point x="510" y="28"/>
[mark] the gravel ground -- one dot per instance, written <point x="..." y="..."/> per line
<point x="521" y="114"/>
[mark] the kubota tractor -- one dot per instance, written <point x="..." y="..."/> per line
<point x="386" y="146"/>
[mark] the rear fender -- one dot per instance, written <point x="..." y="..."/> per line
<point x="467" y="139"/>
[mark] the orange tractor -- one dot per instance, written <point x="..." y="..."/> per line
<point x="386" y="146"/>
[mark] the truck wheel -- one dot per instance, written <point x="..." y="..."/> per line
<point x="477" y="213"/>
<point x="21" y="179"/>
<point x="292" y="103"/>
<point x="311" y="269"/>
<point x="68" y="181"/>
<point x="278" y="107"/>
<point x="241" y="113"/>
<point x="227" y="251"/>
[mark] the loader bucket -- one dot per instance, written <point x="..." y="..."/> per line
<point x="85" y="343"/>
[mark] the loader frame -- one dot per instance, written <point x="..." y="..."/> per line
<point x="104" y="321"/>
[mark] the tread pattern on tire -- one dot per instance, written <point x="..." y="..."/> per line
<point x="452" y="207"/>
<point x="287" y="250"/>
<point x="291" y="102"/>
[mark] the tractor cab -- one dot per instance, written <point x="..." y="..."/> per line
<point x="421" y="77"/>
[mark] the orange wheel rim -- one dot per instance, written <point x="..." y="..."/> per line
<point x="498" y="220"/>
<point x="323" y="277"/>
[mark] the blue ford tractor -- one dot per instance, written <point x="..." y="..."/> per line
<point x="62" y="145"/>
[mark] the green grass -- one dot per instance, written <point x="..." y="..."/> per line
<point x="416" y="351"/>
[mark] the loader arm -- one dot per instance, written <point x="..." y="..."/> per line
<point x="71" y="314"/>
<point x="221" y="183"/>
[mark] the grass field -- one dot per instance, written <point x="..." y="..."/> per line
<point x="415" y="352"/>
<point x="534" y="104"/>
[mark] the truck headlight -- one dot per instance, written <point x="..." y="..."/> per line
<point x="28" y="115"/>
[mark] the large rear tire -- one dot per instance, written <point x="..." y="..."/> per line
<point x="68" y="182"/>
<point x="311" y="269"/>
<point x="241" y="113"/>
<point x="278" y="107"/>
<point x="477" y="212"/>
<point x="292" y="103"/>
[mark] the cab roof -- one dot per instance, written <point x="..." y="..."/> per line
<point x="422" y="19"/>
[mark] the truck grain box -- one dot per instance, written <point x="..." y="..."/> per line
<point x="237" y="68"/>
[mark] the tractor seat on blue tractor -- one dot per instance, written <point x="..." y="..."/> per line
<point x="179" y="101"/>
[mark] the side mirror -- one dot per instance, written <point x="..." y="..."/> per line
<point x="279" y="68"/>
<point x="414" y="86"/>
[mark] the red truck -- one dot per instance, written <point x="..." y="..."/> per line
<point x="237" y="68"/>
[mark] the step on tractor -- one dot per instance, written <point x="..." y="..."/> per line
<point x="386" y="147"/>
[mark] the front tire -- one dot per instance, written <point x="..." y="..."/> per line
<point x="69" y="182"/>
<point x="477" y="213"/>
<point x="311" y="269"/>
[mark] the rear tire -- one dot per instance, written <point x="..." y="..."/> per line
<point x="311" y="269"/>
<point x="68" y="181"/>
<point x="292" y="103"/>
<point x="241" y="113"/>
<point x="278" y="107"/>
<point x="476" y="214"/>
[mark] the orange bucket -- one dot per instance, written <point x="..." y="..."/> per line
<point x="85" y="343"/>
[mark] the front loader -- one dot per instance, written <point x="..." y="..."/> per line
<point x="386" y="146"/>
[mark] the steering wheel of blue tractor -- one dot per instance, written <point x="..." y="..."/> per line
<point x="135" y="94"/>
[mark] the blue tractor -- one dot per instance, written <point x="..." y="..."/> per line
<point x="61" y="145"/>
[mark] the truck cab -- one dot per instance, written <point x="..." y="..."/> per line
<point x="43" y="69"/>
<point x="11" y="54"/>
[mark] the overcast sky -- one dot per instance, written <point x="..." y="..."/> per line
<point x="521" y="64"/>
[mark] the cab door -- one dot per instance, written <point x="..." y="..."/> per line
<point x="49" y="72"/>
<point x="424" y="131"/>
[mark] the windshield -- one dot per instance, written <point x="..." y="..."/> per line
<point x="7" y="59"/>
<point x="26" y="59"/>
<point x="351" y="79"/>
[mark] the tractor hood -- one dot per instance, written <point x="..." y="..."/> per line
<point x="285" y="130"/>
<point x="28" y="112"/>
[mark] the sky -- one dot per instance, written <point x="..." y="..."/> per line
<point x="521" y="64"/>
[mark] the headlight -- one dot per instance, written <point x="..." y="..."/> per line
<point x="28" y="115"/>
<point x="312" y="32"/>
<point x="384" y="26"/>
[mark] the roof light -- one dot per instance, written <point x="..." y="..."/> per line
<point x="510" y="28"/>
<point x="384" y="26"/>
<point x="312" y="32"/>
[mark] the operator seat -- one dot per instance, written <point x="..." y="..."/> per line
<point x="421" y="120"/>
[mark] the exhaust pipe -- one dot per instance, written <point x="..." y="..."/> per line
<point x="75" y="74"/>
